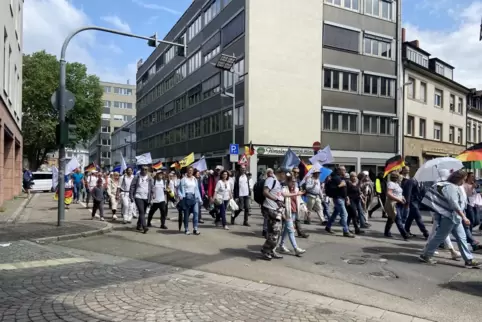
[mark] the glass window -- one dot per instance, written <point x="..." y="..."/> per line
<point x="437" y="131"/>
<point x="341" y="38"/>
<point x="438" y="98"/>
<point x="340" y="80"/>
<point x="212" y="11"/>
<point x="232" y="30"/>
<point x="194" y="62"/>
<point x="422" y="128"/>
<point x="194" y="28"/>
<point x="340" y="121"/>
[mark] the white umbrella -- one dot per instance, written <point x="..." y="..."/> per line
<point x="430" y="170"/>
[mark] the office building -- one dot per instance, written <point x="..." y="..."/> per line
<point x="293" y="62"/>
<point x="123" y="143"/>
<point x="119" y="108"/>
<point x="11" y="43"/>
<point x="474" y="121"/>
<point x="435" y="112"/>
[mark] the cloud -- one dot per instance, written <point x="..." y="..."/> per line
<point x="117" y="23"/>
<point x="460" y="47"/>
<point x="151" y="20"/>
<point x="155" y="6"/>
<point x="48" y="22"/>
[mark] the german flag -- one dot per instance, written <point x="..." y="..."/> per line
<point x="392" y="164"/>
<point x="157" y="166"/>
<point x="91" y="167"/>
<point x="304" y="169"/>
<point x="249" y="149"/>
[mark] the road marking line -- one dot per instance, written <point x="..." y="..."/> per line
<point x="43" y="263"/>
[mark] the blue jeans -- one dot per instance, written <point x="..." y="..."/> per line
<point x="289" y="229"/>
<point x="77" y="189"/>
<point x="470" y="213"/>
<point x="326" y="209"/>
<point x="444" y="228"/>
<point x="222" y="212"/>
<point x="360" y="211"/>
<point x="190" y="206"/>
<point x="405" y="214"/>
<point x="398" y="222"/>
<point x="339" y="209"/>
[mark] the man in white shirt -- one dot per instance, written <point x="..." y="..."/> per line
<point x="128" y="207"/>
<point x="90" y="183"/>
<point x="140" y="192"/>
<point x="241" y="194"/>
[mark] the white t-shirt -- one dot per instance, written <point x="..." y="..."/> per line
<point x="243" y="186"/>
<point x="190" y="185"/>
<point x="223" y="190"/>
<point x="275" y="190"/>
<point x="125" y="183"/>
<point x="91" y="181"/>
<point x="397" y="191"/>
<point x="231" y="182"/>
<point x="142" y="191"/>
<point x="159" y="191"/>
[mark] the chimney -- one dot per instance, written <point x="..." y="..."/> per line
<point x="403" y="35"/>
<point x="416" y="43"/>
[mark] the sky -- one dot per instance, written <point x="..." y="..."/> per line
<point x="447" y="29"/>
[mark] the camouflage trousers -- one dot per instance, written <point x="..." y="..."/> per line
<point x="273" y="231"/>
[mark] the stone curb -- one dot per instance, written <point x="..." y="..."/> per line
<point x="90" y="233"/>
<point x="13" y="217"/>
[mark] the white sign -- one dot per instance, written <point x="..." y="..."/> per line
<point x="274" y="150"/>
<point x="233" y="157"/>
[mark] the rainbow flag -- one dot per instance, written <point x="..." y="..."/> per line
<point x="474" y="153"/>
<point x="157" y="166"/>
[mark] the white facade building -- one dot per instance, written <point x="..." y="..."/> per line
<point x="435" y="108"/>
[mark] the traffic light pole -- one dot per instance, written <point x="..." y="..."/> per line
<point x="61" y="100"/>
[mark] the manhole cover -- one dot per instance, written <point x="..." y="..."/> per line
<point x="383" y="274"/>
<point x="324" y="311"/>
<point x="320" y="263"/>
<point x="356" y="261"/>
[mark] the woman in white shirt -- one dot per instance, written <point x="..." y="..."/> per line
<point x="394" y="205"/>
<point x="190" y="199"/>
<point x="222" y="195"/>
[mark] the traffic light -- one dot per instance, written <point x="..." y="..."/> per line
<point x="65" y="133"/>
<point x="182" y="51"/>
<point x="153" y="41"/>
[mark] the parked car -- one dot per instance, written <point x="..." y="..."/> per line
<point x="42" y="181"/>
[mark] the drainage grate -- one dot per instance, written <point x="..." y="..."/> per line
<point x="323" y="311"/>
<point x="320" y="263"/>
<point x="356" y="261"/>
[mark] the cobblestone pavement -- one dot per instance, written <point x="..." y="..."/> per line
<point x="99" y="292"/>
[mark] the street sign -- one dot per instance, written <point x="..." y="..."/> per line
<point x="69" y="100"/>
<point x="243" y="160"/>
<point x="316" y="146"/>
<point x="234" y="149"/>
<point x="233" y="158"/>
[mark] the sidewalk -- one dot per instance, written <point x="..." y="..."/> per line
<point x="36" y="220"/>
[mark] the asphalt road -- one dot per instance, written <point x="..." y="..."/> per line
<point x="371" y="270"/>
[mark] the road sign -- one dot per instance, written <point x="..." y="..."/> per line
<point x="316" y="146"/>
<point x="243" y="160"/>
<point x="234" y="149"/>
<point x="233" y="157"/>
<point x="69" y="100"/>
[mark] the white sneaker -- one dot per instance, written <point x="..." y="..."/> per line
<point x="455" y="255"/>
<point x="283" y="249"/>
<point x="114" y="217"/>
<point x="436" y="253"/>
<point x="226" y="227"/>
<point x="299" y="251"/>
<point x="102" y="219"/>
<point x="97" y="216"/>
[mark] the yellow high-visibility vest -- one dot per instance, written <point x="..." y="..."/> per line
<point x="378" y="186"/>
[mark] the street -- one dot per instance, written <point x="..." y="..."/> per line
<point x="165" y="275"/>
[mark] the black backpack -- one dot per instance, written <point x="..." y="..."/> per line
<point x="258" y="190"/>
<point x="330" y="188"/>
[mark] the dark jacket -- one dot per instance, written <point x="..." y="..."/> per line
<point x="135" y="184"/>
<point x="411" y="191"/>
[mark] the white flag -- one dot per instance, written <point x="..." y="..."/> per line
<point x="323" y="157"/>
<point x="72" y="165"/>
<point x="55" y="177"/>
<point x="200" y="165"/>
<point x="123" y="164"/>
<point x="144" y="159"/>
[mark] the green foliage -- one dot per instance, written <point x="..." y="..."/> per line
<point x="40" y="80"/>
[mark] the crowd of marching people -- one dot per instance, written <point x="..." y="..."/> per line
<point x="288" y="200"/>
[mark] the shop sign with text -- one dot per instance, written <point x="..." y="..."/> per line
<point x="279" y="151"/>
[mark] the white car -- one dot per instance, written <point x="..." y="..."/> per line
<point x="42" y="181"/>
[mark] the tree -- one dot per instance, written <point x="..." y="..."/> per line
<point x="40" y="80"/>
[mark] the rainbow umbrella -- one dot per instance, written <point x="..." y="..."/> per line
<point x="472" y="154"/>
<point x="473" y="165"/>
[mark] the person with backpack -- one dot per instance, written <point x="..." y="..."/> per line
<point x="27" y="181"/>
<point x="272" y="208"/>
<point x="337" y="190"/>
<point x="140" y="193"/>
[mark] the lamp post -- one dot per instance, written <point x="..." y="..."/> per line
<point x="226" y="63"/>
<point x="61" y="95"/>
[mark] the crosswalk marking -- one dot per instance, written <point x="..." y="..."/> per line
<point x="43" y="263"/>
